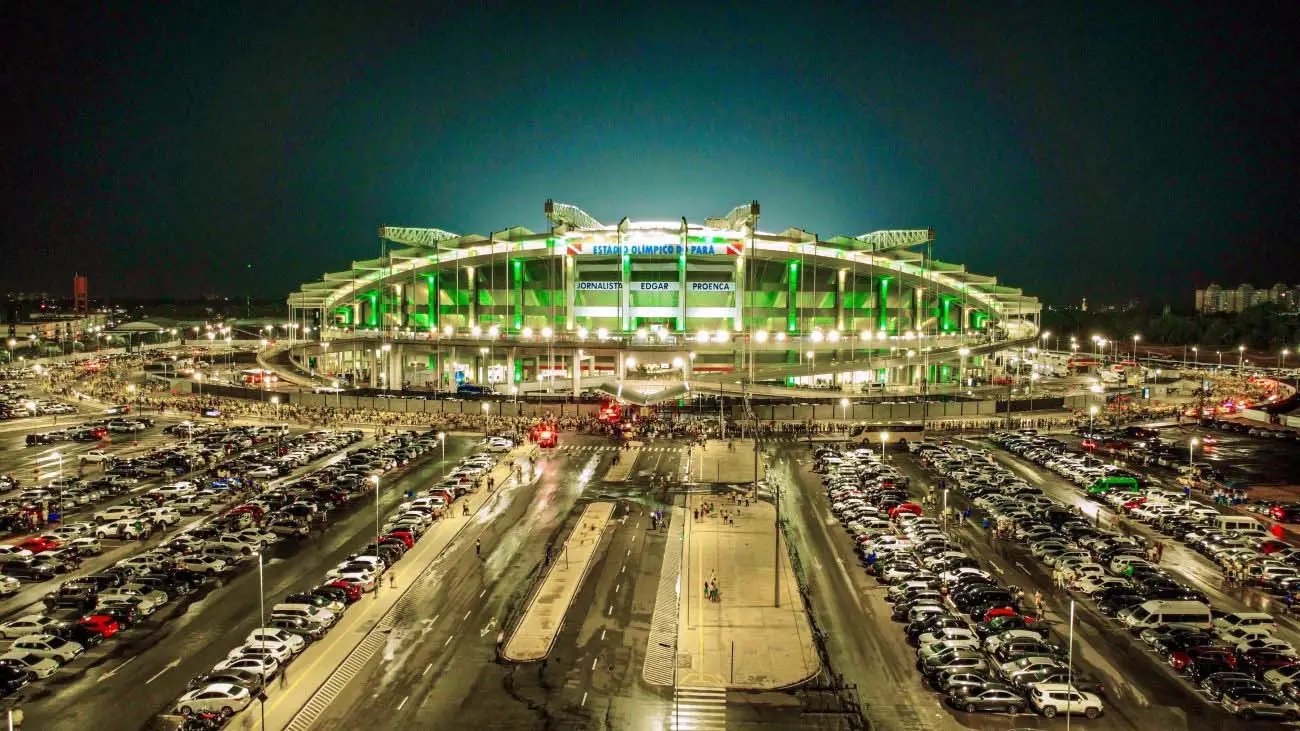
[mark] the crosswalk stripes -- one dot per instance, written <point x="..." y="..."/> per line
<point x="613" y="448"/>
<point x="698" y="709"/>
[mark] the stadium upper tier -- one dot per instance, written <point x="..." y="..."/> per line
<point x="677" y="276"/>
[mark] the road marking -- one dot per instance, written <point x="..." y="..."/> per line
<point x="1022" y="567"/>
<point x="404" y="700"/>
<point x="623" y="569"/>
<point x="629" y="552"/>
<point x="481" y="593"/>
<point x="166" y="667"/>
<point x="488" y="627"/>
<point x="115" y="670"/>
<point x="594" y="660"/>
<point x="602" y="634"/>
<point x="427" y="668"/>
<point x="611" y="610"/>
<point x="996" y="567"/>
<point x="584" y="700"/>
<point x="448" y="642"/>
<point x="467" y="611"/>
<point x="620" y="586"/>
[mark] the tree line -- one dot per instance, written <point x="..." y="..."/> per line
<point x="1262" y="327"/>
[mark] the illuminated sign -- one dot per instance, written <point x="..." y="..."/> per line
<point x="653" y="286"/>
<point x="636" y="247"/>
<point x="599" y="286"/>
<point x="711" y="287"/>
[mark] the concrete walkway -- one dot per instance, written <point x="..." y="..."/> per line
<point x="536" y="631"/>
<point x="623" y="470"/>
<point x="321" y="672"/>
<point x="741" y="641"/>
<point x="718" y="463"/>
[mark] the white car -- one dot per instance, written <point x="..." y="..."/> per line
<point x="257" y="665"/>
<point x="275" y="635"/>
<point x="117" y="512"/>
<point x="223" y="698"/>
<point x="34" y="665"/>
<point x="234" y="543"/>
<point x="1283" y="675"/>
<point x="56" y="648"/>
<point x="1053" y="698"/>
<point x="1090" y="585"/>
<point x="9" y="585"/>
<point x="69" y="531"/>
<point x="498" y="445"/>
<point x="991" y="644"/>
<point x="209" y="565"/>
<point x="96" y="455"/>
<point x="9" y="550"/>
<point x="86" y="546"/>
<point x="29" y="625"/>
<point x="1269" y="643"/>
<point x="278" y="651"/>
<point x="954" y="633"/>
<point x="263" y="471"/>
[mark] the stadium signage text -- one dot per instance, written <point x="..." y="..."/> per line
<point x="734" y="248"/>
<point x="599" y="286"/>
<point x="712" y="287"/>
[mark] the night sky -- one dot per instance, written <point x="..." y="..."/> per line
<point x="1107" y="150"/>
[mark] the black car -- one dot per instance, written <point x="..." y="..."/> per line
<point x="13" y="679"/>
<point x="102" y="581"/>
<point x="1019" y="647"/>
<point x="1216" y="684"/>
<point x="950" y="681"/>
<point x="1111" y="606"/>
<point x="126" y="616"/>
<point x="28" y="571"/>
<point x="998" y="625"/>
<point x="298" y="626"/>
<point x="334" y="593"/>
<point x="990" y="697"/>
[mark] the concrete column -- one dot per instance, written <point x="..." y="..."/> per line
<point x="738" y="317"/>
<point x="472" y="281"/>
<point x="577" y="379"/>
<point x="621" y="366"/>
<point x="511" y="354"/>
<point x="374" y="369"/>
<point x="625" y="292"/>
<point x="570" y="291"/>
<point x="839" y="298"/>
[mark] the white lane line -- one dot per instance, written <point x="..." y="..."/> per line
<point x="594" y="660"/>
<point x="996" y="567"/>
<point x="466" y="615"/>
<point x="584" y="700"/>
<point x="623" y="569"/>
<point x="165" y="668"/>
<point x="602" y="634"/>
<point x="620" y="586"/>
<point x="1022" y="567"/>
<point x="611" y="610"/>
<point x="404" y="700"/>
<point x="481" y="593"/>
<point x="427" y="668"/>
<point x="115" y="670"/>
<point x="448" y="642"/>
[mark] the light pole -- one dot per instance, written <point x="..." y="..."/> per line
<point x="1092" y="419"/>
<point x="1069" y="666"/>
<point x="442" y="441"/>
<point x="374" y="479"/>
<point x="12" y="343"/>
<point x="1191" y="446"/>
<point x="1285" y="353"/>
<point x="275" y="401"/>
<point x="1220" y="353"/>
<point x="486" y="408"/>
<point x="1136" y="338"/>
<point x="884" y="439"/>
<point x="198" y="378"/>
<point x="1241" y="362"/>
<point x="844" y="409"/>
<point x="1196" y="358"/>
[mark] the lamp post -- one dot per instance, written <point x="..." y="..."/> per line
<point x="261" y="611"/>
<point x="198" y="378"/>
<point x="1136" y="338"/>
<point x="11" y="344"/>
<point x="1069" y="663"/>
<point x="1191" y="446"/>
<point x="1285" y="353"/>
<point x="1220" y="353"/>
<point x="442" y="441"/>
<point x="1196" y="359"/>
<point x="1092" y="419"/>
<point x="374" y="479"/>
<point x="1241" y="362"/>
<point x="884" y="439"/>
<point x="844" y="409"/>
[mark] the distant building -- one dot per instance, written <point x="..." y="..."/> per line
<point x="1217" y="299"/>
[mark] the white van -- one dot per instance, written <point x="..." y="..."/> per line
<point x="1236" y="522"/>
<point x="1193" y="615"/>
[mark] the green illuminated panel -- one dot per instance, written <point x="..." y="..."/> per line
<point x="792" y="313"/>
<point x="884" y="303"/>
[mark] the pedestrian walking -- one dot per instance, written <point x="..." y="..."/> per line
<point x="284" y="678"/>
<point x="478" y="547"/>
<point x="392" y="579"/>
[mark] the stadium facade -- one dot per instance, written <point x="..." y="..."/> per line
<point x="648" y="299"/>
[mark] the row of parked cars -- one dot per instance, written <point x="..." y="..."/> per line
<point x="304" y="617"/>
<point x="85" y="611"/>
<point x="974" y="643"/>
<point x="1216" y="649"/>
<point x="16" y="402"/>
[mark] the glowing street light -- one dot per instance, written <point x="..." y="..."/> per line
<point x="760" y="336"/>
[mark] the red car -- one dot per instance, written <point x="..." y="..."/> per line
<point x="354" y="591"/>
<point x="1001" y="612"/>
<point x="1134" y="503"/>
<point x="252" y="510"/>
<point x="1182" y="658"/>
<point x="402" y="536"/>
<point x="101" y="624"/>
<point x="38" y="544"/>
<point x="912" y="508"/>
<point x="1089" y="444"/>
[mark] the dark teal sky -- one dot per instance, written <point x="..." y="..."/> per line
<point x="1095" y="149"/>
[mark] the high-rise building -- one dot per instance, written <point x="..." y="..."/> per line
<point x="1217" y="299"/>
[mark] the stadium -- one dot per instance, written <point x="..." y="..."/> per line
<point x="640" y="307"/>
